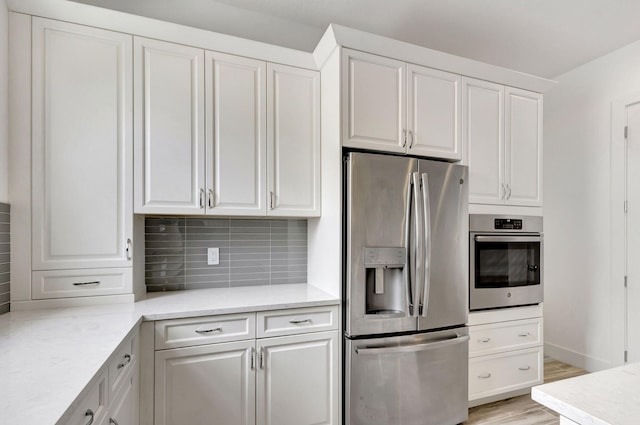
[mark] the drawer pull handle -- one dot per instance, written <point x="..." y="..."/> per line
<point x="524" y="335"/>
<point x="89" y="412"/>
<point x="113" y="421"/>
<point x="525" y="368"/>
<point x="208" y="331"/>
<point x="484" y="340"/>
<point x="487" y="376"/>
<point x="127" y="360"/>
<point x="95" y="282"/>
<point x="299" y="322"/>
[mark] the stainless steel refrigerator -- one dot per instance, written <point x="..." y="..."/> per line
<point x="405" y="291"/>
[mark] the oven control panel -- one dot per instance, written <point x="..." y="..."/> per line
<point x="508" y="224"/>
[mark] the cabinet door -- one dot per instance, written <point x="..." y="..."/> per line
<point x="236" y="126"/>
<point x="298" y="381"/>
<point x="374" y="102"/>
<point x="124" y="407"/>
<point x="434" y="113"/>
<point x="523" y="147"/>
<point x="483" y="112"/>
<point x="293" y="141"/>
<point x="205" y="385"/>
<point x="169" y="131"/>
<point x="82" y="146"/>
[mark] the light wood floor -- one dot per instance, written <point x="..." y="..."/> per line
<point x="522" y="410"/>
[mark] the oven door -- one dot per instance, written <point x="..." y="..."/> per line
<point x="505" y="270"/>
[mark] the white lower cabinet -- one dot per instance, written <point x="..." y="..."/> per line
<point x="505" y="353"/>
<point x="267" y="381"/>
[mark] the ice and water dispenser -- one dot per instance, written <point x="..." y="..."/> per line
<point x="385" y="282"/>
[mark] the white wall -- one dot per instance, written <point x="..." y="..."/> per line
<point x="4" y="122"/>
<point x="581" y="317"/>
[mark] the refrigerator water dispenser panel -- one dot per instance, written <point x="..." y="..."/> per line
<point x="385" y="294"/>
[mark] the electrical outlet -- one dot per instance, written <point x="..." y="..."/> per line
<point x="213" y="256"/>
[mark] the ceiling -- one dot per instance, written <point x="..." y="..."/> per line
<point x="540" y="37"/>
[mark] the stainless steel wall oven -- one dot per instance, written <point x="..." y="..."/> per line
<point x="505" y="261"/>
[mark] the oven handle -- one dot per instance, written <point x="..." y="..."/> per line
<point x="528" y="238"/>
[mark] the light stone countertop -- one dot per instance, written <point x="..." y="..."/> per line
<point x="609" y="397"/>
<point x="48" y="356"/>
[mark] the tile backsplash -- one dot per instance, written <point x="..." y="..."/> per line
<point x="252" y="252"/>
<point x="5" y="257"/>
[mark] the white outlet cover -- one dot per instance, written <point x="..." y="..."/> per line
<point x="213" y="256"/>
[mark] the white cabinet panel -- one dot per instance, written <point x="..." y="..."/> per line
<point x="484" y="111"/>
<point x="297" y="321"/>
<point x="187" y="332"/>
<point x="123" y="409"/>
<point x="293" y="141"/>
<point x="169" y="131"/>
<point x="298" y="381"/>
<point x="434" y="113"/>
<point x="80" y="283"/>
<point x="523" y="147"/>
<point x="204" y="385"/>
<point x="235" y="128"/>
<point x="374" y="102"/>
<point x="82" y="146"/>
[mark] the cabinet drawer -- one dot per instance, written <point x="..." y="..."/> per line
<point x="80" y="283"/>
<point x="295" y="321"/>
<point x="504" y="336"/>
<point x="500" y="373"/>
<point x="204" y="330"/>
<point x="91" y="408"/>
<point x="123" y="361"/>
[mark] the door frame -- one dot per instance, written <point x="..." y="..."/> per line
<point x="618" y="252"/>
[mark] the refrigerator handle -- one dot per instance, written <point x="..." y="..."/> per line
<point x="417" y="253"/>
<point x="458" y="339"/>
<point x="426" y="207"/>
<point x="408" y="237"/>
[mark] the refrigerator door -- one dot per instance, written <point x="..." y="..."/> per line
<point x="419" y="379"/>
<point x="381" y="243"/>
<point x="444" y="290"/>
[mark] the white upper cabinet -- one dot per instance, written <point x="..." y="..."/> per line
<point x="293" y="141"/>
<point x="82" y="147"/>
<point x="483" y="115"/>
<point x="434" y="113"/>
<point x="523" y="147"/>
<point x="503" y="131"/>
<point x="374" y="102"/>
<point x="393" y="106"/>
<point x="169" y="128"/>
<point x="235" y="128"/>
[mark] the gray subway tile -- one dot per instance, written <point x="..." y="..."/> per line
<point x="5" y="278"/>
<point x="287" y="281"/>
<point x="223" y="278"/>
<point x="5" y="218"/>
<point x="241" y="283"/>
<point x="5" y="298"/>
<point x="5" y="208"/>
<point x="4" y="308"/>
<point x="5" y="228"/>
<point x="5" y="238"/>
<point x="5" y="287"/>
<point x="162" y="288"/>
<point x="207" y="285"/>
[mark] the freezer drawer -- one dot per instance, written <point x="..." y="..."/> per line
<point x="418" y="379"/>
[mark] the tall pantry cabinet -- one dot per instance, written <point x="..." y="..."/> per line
<point x="81" y="160"/>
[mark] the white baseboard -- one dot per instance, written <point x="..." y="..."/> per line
<point x="583" y="361"/>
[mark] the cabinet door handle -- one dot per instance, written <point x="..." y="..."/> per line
<point x="410" y="139"/>
<point x="404" y="138"/>
<point x="89" y="413"/>
<point x="524" y="368"/>
<point x="509" y="195"/>
<point x="128" y="249"/>
<point x="298" y="322"/>
<point x="253" y="358"/>
<point x="485" y="340"/>
<point x="210" y="200"/>
<point x="261" y="356"/>
<point x="208" y="331"/>
<point x="127" y="360"/>
<point x="95" y="282"/>
<point x="201" y="198"/>
<point x="504" y="192"/>
<point x="487" y="376"/>
<point x="524" y="335"/>
<point x="271" y="199"/>
<point x="113" y="421"/>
